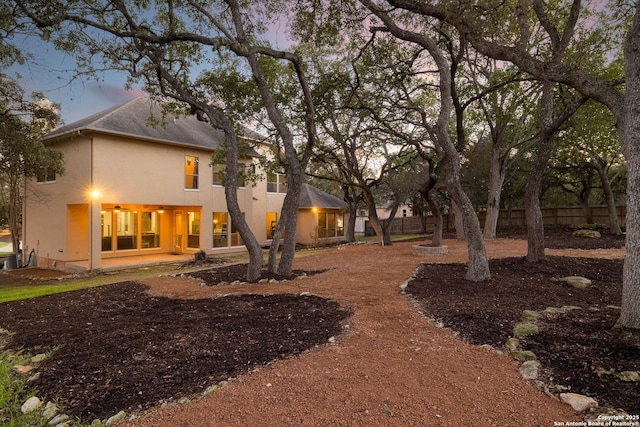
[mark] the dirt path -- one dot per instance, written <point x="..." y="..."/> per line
<point x="392" y="367"/>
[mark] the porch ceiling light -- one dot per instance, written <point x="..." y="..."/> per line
<point x="161" y="209"/>
<point x="117" y="208"/>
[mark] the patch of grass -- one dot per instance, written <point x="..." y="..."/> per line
<point x="24" y="292"/>
<point x="13" y="288"/>
<point x="14" y="392"/>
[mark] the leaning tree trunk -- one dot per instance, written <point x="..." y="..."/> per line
<point x="373" y="217"/>
<point x="254" y="268"/>
<point x="630" y="310"/>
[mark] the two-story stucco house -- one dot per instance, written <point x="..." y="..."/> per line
<point x="132" y="189"/>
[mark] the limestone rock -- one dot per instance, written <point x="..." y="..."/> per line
<point x="529" y="370"/>
<point x="578" y="402"/>
<point x="22" y="369"/>
<point x="116" y="418"/>
<point x="633" y="376"/>
<point x="58" y="419"/>
<point x="587" y="234"/>
<point x="561" y="310"/>
<point x="50" y="411"/>
<point x="31" y="404"/>
<point x="38" y="358"/>
<point x="524" y="329"/>
<point x="512" y="344"/>
<point x="577" y="282"/>
<point x="530" y="316"/>
<point x="523" y="355"/>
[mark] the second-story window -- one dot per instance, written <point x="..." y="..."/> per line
<point x="46" y="176"/>
<point x="276" y="183"/>
<point x="191" y="172"/>
<point x="220" y="174"/>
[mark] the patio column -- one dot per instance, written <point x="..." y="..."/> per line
<point x="95" y="234"/>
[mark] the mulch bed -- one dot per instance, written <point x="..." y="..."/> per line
<point x="579" y="350"/>
<point x="117" y="348"/>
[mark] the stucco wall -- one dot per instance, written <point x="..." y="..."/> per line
<point x="135" y="175"/>
<point x="45" y="225"/>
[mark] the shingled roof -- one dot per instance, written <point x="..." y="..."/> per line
<point x="312" y="197"/>
<point x="131" y="119"/>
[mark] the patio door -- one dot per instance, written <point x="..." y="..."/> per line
<point x="178" y="232"/>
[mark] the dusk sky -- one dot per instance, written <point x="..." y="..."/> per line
<point x="51" y="71"/>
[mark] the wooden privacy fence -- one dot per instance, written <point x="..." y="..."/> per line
<point x="573" y="215"/>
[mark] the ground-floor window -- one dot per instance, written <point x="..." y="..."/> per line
<point x="150" y="225"/>
<point x="126" y="230"/>
<point x="106" y="226"/>
<point x="272" y="221"/>
<point x="330" y="224"/>
<point x="193" y="230"/>
<point x="225" y="232"/>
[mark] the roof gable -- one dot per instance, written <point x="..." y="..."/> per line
<point x="131" y="119"/>
<point x="311" y="197"/>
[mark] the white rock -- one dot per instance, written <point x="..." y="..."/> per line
<point x="578" y="402"/>
<point x="58" y="419"/>
<point x="629" y="376"/>
<point x="529" y="369"/>
<point x="578" y="282"/>
<point x="50" y="411"/>
<point x="38" y="358"/>
<point x="31" y="404"/>
<point x="116" y="418"/>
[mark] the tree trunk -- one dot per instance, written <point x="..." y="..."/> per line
<point x="289" y="220"/>
<point x="256" y="260"/>
<point x="533" y="213"/>
<point x="614" y="225"/>
<point x="436" y="239"/>
<point x="457" y="221"/>
<point x="350" y="229"/>
<point x="630" y="311"/>
<point x="352" y="201"/>
<point x="496" y="180"/>
<point x="388" y="224"/>
<point x="478" y="266"/>
<point x="373" y="217"/>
